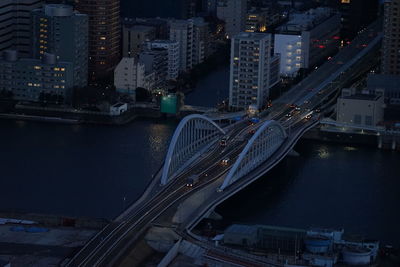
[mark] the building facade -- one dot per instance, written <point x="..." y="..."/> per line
<point x="391" y="38"/>
<point x="59" y="30"/>
<point x="104" y="36"/>
<point x="172" y="48"/>
<point x="192" y="36"/>
<point x="130" y="74"/>
<point x="156" y="60"/>
<point x="134" y="37"/>
<point x="233" y="12"/>
<point x="15" y="25"/>
<point x="360" y="109"/>
<point x="307" y="39"/>
<point x="36" y="80"/>
<point x="181" y="31"/>
<point x="254" y="70"/>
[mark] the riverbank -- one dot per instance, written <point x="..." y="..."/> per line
<point x="77" y="116"/>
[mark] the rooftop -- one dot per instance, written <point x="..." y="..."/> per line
<point x="306" y="20"/>
<point x="251" y="35"/>
<point x="370" y="97"/>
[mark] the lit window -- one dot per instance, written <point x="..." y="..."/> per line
<point x="102" y="38"/>
<point x="37" y="68"/>
<point x="62" y="69"/>
<point x="57" y="69"/>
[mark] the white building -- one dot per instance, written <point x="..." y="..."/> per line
<point x="192" y="36"/>
<point x="360" y="109"/>
<point x="254" y="69"/>
<point x="15" y="25"/>
<point x="173" y="55"/>
<point x="130" y="74"/>
<point x="181" y="31"/>
<point x="306" y="39"/>
<point x="233" y="12"/>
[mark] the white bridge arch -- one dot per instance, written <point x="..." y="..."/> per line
<point x="265" y="141"/>
<point x="192" y="135"/>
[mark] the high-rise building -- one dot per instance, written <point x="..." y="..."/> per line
<point x="15" y="25"/>
<point x="391" y="39"/>
<point x="59" y="30"/>
<point x="192" y="36"/>
<point x="254" y="70"/>
<point x="172" y="48"/>
<point x="181" y="31"/>
<point x="104" y="36"/>
<point x="233" y="12"/>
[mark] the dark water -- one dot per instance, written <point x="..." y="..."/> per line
<point x="85" y="170"/>
<point x="329" y="186"/>
<point x="78" y="170"/>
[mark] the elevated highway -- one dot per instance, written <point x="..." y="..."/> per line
<point x="253" y="149"/>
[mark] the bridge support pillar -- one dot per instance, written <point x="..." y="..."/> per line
<point x="394" y="143"/>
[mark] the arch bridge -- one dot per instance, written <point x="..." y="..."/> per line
<point x="194" y="134"/>
<point x="265" y="141"/>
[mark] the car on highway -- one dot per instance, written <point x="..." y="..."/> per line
<point x="225" y="161"/>
<point x="192" y="180"/>
<point x="306" y="101"/>
<point x="288" y="115"/>
<point x="297" y="108"/>
<point x="222" y="142"/>
<point x="309" y="116"/>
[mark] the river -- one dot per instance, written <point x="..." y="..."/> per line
<point x="96" y="171"/>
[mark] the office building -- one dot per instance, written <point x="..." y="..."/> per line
<point x="172" y="48"/>
<point x="134" y="38"/>
<point x="130" y="74"/>
<point x="34" y="80"/>
<point x="307" y="39"/>
<point x="254" y="70"/>
<point x="391" y="38"/>
<point x="233" y="12"/>
<point x="59" y="30"/>
<point x="156" y="60"/>
<point x="360" y="109"/>
<point x="15" y="25"/>
<point x="104" y="37"/>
